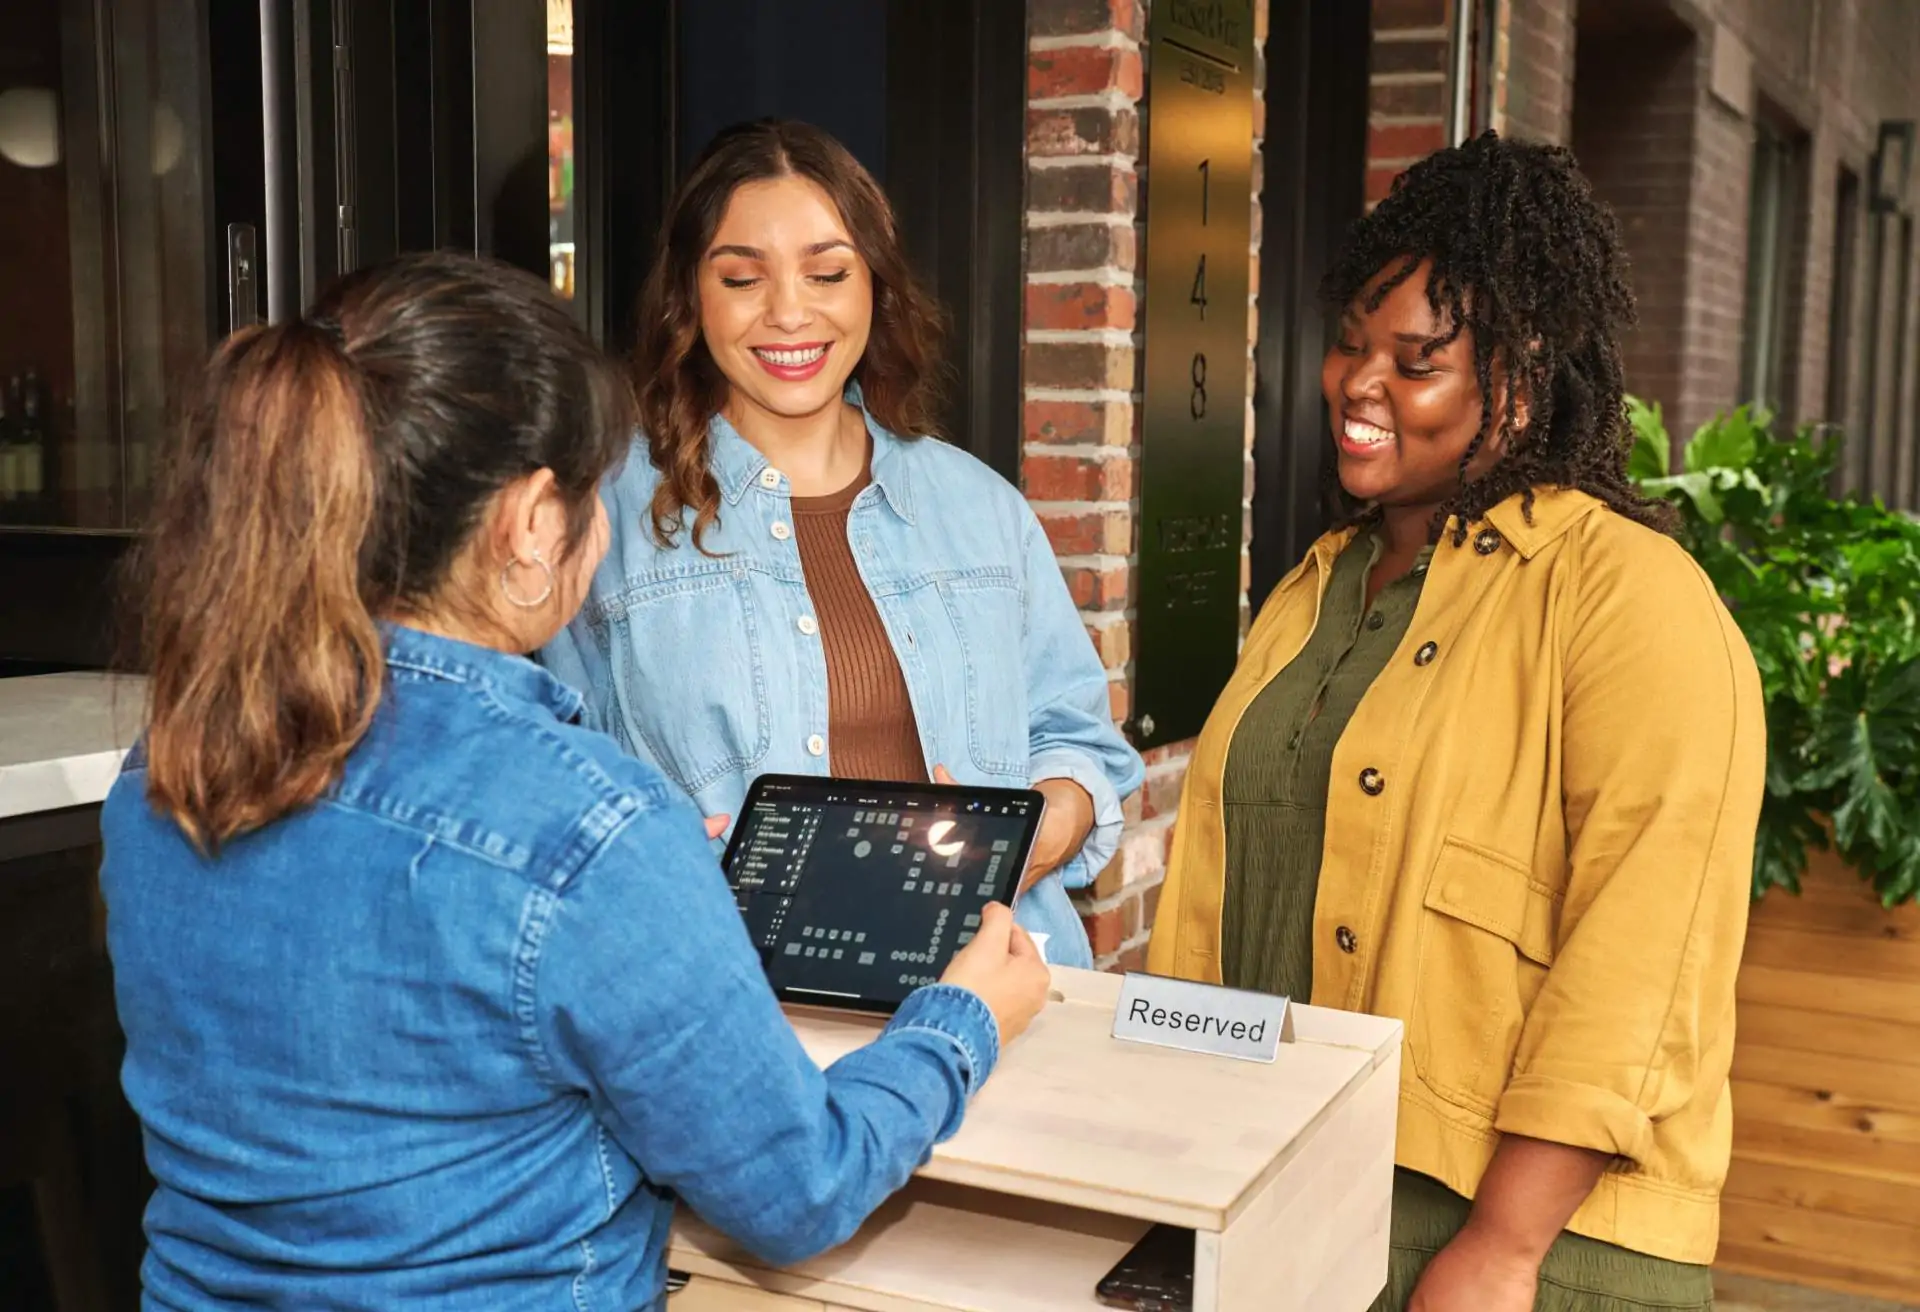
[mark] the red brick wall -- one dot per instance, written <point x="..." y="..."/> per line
<point x="1408" y="88"/>
<point x="1633" y="110"/>
<point x="1085" y="219"/>
<point x="1538" y="100"/>
<point x="1670" y="146"/>
<point x="1716" y="263"/>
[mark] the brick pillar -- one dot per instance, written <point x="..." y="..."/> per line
<point x="1086" y="80"/>
<point x="1634" y="105"/>
<point x="1716" y="257"/>
<point x="1408" y="90"/>
<point x="1538" y="70"/>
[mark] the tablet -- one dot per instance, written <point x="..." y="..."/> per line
<point x="856" y="893"/>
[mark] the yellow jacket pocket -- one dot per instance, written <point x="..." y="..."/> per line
<point x="1486" y="940"/>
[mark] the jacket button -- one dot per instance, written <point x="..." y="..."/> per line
<point x="1428" y="650"/>
<point x="1376" y="621"/>
<point x="1345" y="938"/>
<point x="769" y="477"/>
<point x="1487" y="541"/>
<point x="817" y="746"/>
<point x="808" y="625"/>
<point x="780" y="530"/>
<point x="1372" y="782"/>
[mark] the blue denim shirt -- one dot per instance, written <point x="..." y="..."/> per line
<point x="707" y="664"/>
<point x="454" y="1036"/>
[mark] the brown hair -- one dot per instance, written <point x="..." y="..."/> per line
<point x="681" y="389"/>
<point x="332" y="469"/>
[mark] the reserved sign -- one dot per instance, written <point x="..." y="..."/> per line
<point x="1181" y="1013"/>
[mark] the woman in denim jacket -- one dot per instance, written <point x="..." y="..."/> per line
<point x="432" y="996"/>
<point x="799" y="582"/>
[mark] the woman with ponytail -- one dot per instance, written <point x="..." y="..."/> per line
<point x="431" y="995"/>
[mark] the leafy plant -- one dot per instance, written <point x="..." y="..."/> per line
<point x="1827" y="591"/>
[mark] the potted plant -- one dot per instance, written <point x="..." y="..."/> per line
<point x="1826" y="589"/>
<point x="1825" y="1184"/>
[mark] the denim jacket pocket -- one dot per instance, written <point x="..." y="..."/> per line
<point x="1486" y="942"/>
<point x="697" y="705"/>
<point x="987" y="611"/>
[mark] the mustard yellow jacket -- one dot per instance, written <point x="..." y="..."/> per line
<point x="1538" y="852"/>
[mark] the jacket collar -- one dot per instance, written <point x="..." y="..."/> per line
<point x="454" y="661"/>
<point x="1556" y="510"/>
<point x="736" y="462"/>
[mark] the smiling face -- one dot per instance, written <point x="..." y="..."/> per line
<point x="1402" y="417"/>
<point x="786" y="302"/>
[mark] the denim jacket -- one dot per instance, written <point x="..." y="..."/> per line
<point x="455" y="1036"/>
<point x="710" y="665"/>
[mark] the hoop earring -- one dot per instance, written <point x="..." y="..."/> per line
<point x="506" y="584"/>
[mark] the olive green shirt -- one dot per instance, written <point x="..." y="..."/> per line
<point x="1279" y="767"/>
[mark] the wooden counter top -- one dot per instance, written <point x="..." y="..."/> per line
<point x="1074" y="1116"/>
<point x="1283" y="1171"/>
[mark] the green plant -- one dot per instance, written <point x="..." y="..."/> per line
<point x="1827" y="591"/>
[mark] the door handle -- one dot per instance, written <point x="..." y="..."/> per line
<point x="243" y="278"/>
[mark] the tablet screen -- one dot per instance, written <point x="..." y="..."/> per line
<point x="857" y="893"/>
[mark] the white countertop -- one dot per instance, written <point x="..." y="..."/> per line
<point x="62" y="737"/>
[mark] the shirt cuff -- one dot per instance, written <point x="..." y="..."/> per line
<point x="962" y="1018"/>
<point x="1109" y="821"/>
<point x="1578" y="1115"/>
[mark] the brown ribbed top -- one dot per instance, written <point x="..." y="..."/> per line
<point x="871" y="732"/>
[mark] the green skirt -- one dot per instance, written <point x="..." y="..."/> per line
<point x="1579" y="1275"/>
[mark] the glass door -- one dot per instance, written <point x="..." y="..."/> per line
<point x="108" y="257"/>
<point x="130" y="147"/>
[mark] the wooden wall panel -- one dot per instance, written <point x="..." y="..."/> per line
<point x="1825" y="1185"/>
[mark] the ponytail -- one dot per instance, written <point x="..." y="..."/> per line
<point x="336" y="471"/>
<point x="264" y="660"/>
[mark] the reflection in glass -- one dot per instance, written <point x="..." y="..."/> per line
<point x="103" y="250"/>
<point x="560" y="144"/>
<point x="36" y="319"/>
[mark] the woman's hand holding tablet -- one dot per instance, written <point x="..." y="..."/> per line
<point x="1003" y="967"/>
<point x="1064" y="825"/>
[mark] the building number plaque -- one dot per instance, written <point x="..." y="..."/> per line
<point x="1199" y="158"/>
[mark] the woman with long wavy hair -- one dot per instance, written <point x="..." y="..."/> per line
<point x="802" y="580"/>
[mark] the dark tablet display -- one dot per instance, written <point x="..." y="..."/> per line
<point x="856" y="893"/>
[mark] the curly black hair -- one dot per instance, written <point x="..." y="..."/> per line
<point x="1526" y="257"/>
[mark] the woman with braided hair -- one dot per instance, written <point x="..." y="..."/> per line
<point x="1491" y="764"/>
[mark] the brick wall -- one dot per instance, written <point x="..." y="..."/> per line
<point x="1538" y="100"/>
<point x="1633" y="107"/>
<point x="1716" y="258"/>
<point x="1665" y="98"/>
<point x="1408" y="90"/>
<point x="1085" y="230"/>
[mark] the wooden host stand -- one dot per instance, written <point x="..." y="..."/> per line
<point x="1284" y="1172"/>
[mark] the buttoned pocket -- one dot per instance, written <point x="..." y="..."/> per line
<point x="1486" y="942"/>
<point x="689" y="674"/>
<point x="989" y="628"/>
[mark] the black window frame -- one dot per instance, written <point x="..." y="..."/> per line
<point x="1313" y="184"/>
<point x="1775" y="215"/>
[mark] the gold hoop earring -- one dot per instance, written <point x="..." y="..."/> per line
<point x="506" y="582"/>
